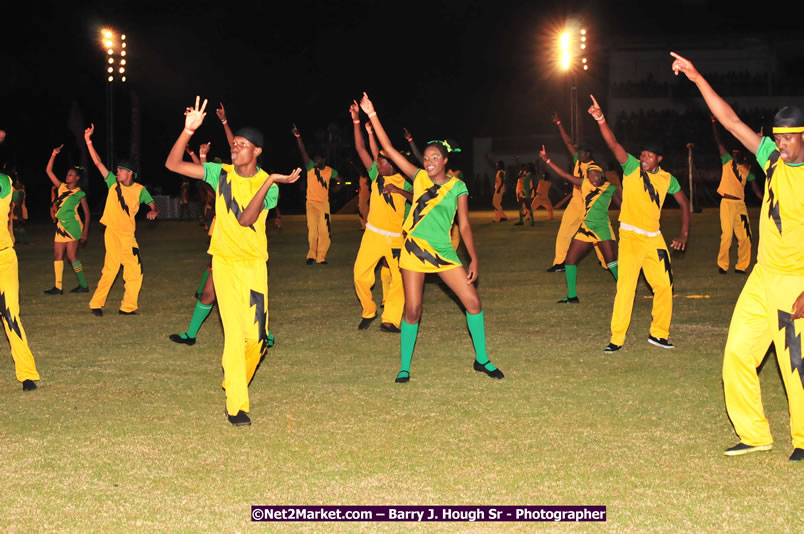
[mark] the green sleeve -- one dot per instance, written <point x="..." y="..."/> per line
<point x="145" y="196"/>
<point x="675" y="187"/>
<point x="630" y="165"/>
<point x="766" y="148"/>
<point x="110" y="179"/>
<point x="373" y="172"/>
<point x="574" y="158"/>
<point x="16" y="196"/>
<point x="212" y="172"/>
<point x="308" y="165"/>
<point x="271" y="198"/>
<point x="459" y="175"/>
<point x="5" y="185"/>
<point x="751" y="177"/>
<point x="461" y="189"/>
<point x="334" y="173"/>
<point x="80" y="195"/>
<point x="725" y="158"/>
<point x="407" y="186"/>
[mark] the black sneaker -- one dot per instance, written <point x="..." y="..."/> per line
<point x="798" y="455"/>
<point x="481" y="367"/>
<point x="403" y="377"/>
<point x="520" y="223"/>
<point x="739" y="271"/>
<point x="121" y="312"/>
<point x="325" y="262"/>
<point x="98" y="312"/>
<point x="568" y="300"/>
<point x="176" y="338"/>
<point x="241" y="419"/>
<point x="611" y="347"/>
<point x="557" y="268"/>
<point x="365" y="322"/>
<point x="390" y="328"/>
<point x="310" y="261"/>
<point x="79" y="289"/>
<point x="721" y="270"/>
<point x="53" y="291"/>
<point x="28" y="385"/>
<point x="741" y="448"/>
<point x="660" y="342"/>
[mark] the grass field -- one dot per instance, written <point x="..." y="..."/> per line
<point x="126" y="431"/>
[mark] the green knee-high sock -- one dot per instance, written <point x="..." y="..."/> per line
<point x="79" y="273"/>
<point x="613" y="268"/>
<point x="203" y="282"/>
<point x="407" y="343"/>
<point x="200" y="313"/>
<point x="571" y="274"/>
<point x="477" y="329"/>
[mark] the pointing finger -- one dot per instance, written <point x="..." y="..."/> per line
<point x="594" y="101"/>
<point x="204" y="106"/>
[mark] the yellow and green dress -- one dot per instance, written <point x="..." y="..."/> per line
<point x="524" y="186"/>
<point x="68" y="227"/>
<point x="496" y="199"/>
<point x="239" y="256"/>
<point x="382" y="239"/>
<point x="642" y="248"/>
<point x="9" y="291"/>
<point x="319" y="224"/>
<point x="122" y="204"/>
<point x="573" y="213"/>
<point x="733" y="214"/>
<point x="763" y="314"/>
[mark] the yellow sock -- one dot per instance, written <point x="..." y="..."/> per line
<point x="58" y="269"/>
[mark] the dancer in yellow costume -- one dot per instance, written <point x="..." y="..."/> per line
<point x="437" y="197"/>
<point x="122" y="204"/>
<point x="542" y="195"/>
<point x="390" y="196"/>
<point x="642" y="247"/>
<point x="771" y="305"/>
<point x="239" y="249"/>
<point x="733" y="214"/>
<point x="319" y="218"/>
<point x="10" y="295"/>
<point x="499" y="189"/>
<point x="69" y="228"/>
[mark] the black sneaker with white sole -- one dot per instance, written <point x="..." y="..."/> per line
<point x="660" y="342"/>
<point x="611" y="347"/>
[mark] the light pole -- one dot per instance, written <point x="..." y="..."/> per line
<point x="115" y="63"/>
<point x="572" y="43"/>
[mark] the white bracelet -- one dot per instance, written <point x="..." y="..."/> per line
<point x="602" y="117"/>
<point x="372" y="114"/>
<point x="189" y="131"/>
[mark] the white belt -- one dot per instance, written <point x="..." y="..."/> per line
<point x="626" y="226"/>
<point x="386" y="233"/>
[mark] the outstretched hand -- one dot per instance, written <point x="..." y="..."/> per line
<point x="594" y="110"/>
<point x="555" y="118"/>
<point x="366" y="104"/>
<point x="57" y="149"/>
<point x="685" y="65"/>
<point x="89" y="131"/>
<point x="194" y="116"/>
<point x="354" y="110"/>
<point x="203" y="150"/>
<point x="407" y="134"/>
<point x="287" y="178"/>
<point x="295" y="131"/>
<point x="543" y="153"/>
<point x="220" y="112"/>
<point x="369" y="128"/>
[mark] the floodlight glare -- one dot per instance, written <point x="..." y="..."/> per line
<point x="110" y="79"/>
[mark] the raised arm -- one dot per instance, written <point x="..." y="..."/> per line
<point x="719" y="108"/>
<point x="92" y="153"/>
<point x="566" y="138"/>
<point x="608" y="136"/>
<point x="193" y="156"/>
<point x="721" y="149"/>
<point x="558" y="170"/>
<point x="306" y="161"/>
<point x="360" y="144"/>
<point x="203" y="150"/>
<point x="413" y="148"/>
<point x="255" y="206"/>
<point x="221" y="113"/>
<point x="375" y="148"/>
<point x="399" y="160"/>
<point x="49" y="168"/>
<point x="680" y="243"/>
<point x="193" y="118"/>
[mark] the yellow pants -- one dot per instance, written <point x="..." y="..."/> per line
<point x="734" y="221"/>
<point x="541" y="200"/>
<point x="318" y="230"/>
<point x="374" y="247"/>
<point x="496" y="201"/>
<point x="241" y="288"/>
<point x="763" y="315"/>
<point x="570" y="222"/>
<point x="121" y="249"/>
<point x="649" y="254"/>
<point x="10" y="309"/>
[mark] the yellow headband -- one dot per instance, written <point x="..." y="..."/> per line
<point x="788" y="129"/>
<point x="594" y="167"/>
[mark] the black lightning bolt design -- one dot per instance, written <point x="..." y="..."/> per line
<point x="63" y="233"/>
<point x="11" y="321"/>
<point x="587" y="232"/>
<point x="329" y="225"/>
<point x="321" y="181"/>
<point x="136" y="252"/>
<point x="225" y="190"/>
<point x="428" y="195"/>
<point x="792" y="343"/>
<point x="386" y="196"/>
<point x="424" y="255"/>
<point x="746" y="224"/>
<point x="258" y="301"/>
<point x="652" y="193"/>
<point x="773" y="203"/>
<point x="396" y="252"/>
<point x="60" y="200"/>
<point x="665" y="257"/>
<point x="122" y="200"/>
<point x="736" y="171"/>
<point x="590" y="197"/>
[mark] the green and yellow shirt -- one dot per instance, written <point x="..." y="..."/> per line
<point x="318" y="182"/>
<point x="5" y="207"/>
<point x="122" y="204"/>
<point x="643" y="195"/>
<point x="433" y="211"/>
<point x="734" y="177"/>
<point x="387" y="211"/>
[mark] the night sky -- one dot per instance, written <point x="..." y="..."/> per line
<point x="456" y="69"/>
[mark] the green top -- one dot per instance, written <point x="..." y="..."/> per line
<point x="766" y="148"/>
<point x="598" y="213"/>
<point x="69" y="205"/>
<point x="212" y="174"/>
<point x="5" y="185"/>
<point x="434" y="210"/>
